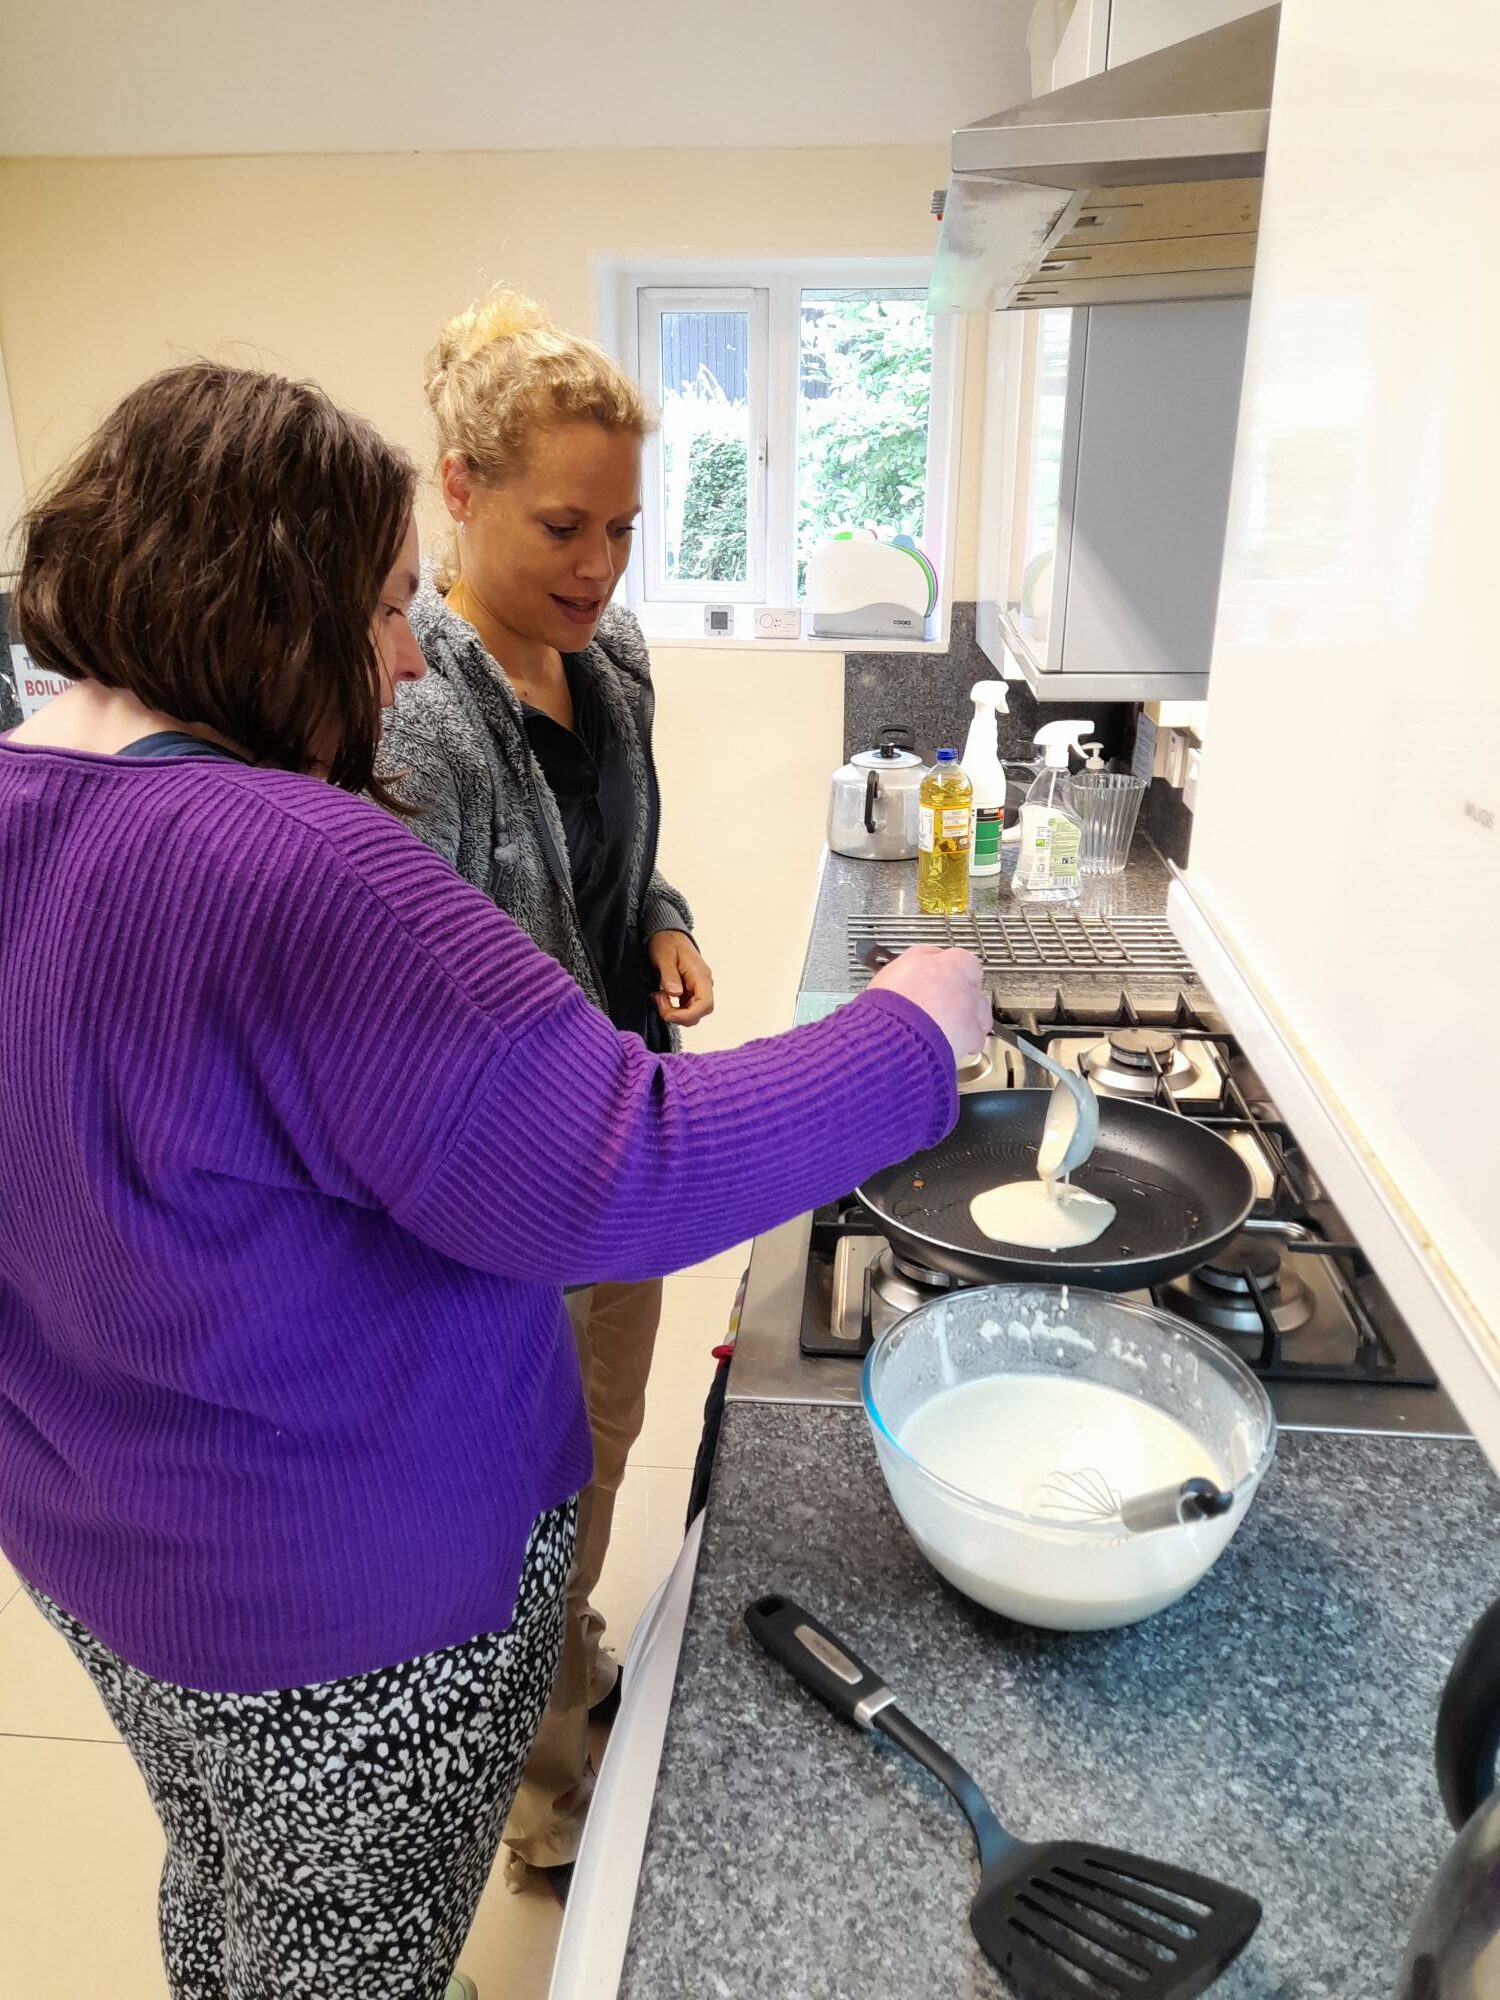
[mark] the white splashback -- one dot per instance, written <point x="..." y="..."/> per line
<point x="1347" y="840"/>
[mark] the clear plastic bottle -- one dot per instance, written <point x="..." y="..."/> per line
<point x="944" y="822"/>
<point x="1051" y="825"/>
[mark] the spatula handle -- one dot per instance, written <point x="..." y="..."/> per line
<point x="823" y="1664"/>
<point x="993" y="1840"/>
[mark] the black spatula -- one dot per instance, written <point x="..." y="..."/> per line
<point x="1062" y="1920"/>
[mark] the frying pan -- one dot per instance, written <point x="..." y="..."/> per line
<point x="1180" y="1192"/>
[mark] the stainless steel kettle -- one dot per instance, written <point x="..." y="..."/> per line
<point x="873" y="803"/>
<point x="1454" y="1953"/>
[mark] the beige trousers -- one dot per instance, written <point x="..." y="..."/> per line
<point x="615" y="1328"/>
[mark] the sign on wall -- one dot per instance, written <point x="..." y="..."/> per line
<point x="33" y="688"/>
<point x="24" y="687"/>
<point x="10" y="702"/>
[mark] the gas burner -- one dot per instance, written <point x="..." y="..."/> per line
<point x="1174" y="1069"/>
<point x="998" y="1066"/>
<point x="1220" y="1295"/>
<point x="1129" y="1062"/>
<point x="977" y="1069"/>
<point x="903" y="1282"/>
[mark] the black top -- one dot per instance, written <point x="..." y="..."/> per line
<point x="588" y="770"/>
<point x="177" y="743"/>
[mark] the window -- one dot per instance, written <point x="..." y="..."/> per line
<point x="811" y="400"/>
<point x="703" y="363"/>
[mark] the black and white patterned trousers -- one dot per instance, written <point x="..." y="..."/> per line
<point x="332" y="1841"/>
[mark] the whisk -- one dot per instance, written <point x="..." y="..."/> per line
<point x="1088" y="1497"/>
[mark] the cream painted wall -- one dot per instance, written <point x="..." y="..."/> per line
<point x="10" y="472"/>
<point x="745" y="746"/>
<point x="340" y="268"/>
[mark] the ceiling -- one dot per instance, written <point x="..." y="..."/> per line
<point x="330" y="76"/>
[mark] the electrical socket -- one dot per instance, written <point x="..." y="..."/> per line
<point x="1190" y="781"/>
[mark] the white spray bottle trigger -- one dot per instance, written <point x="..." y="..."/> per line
<point x="991" y="694"/>
<point x="1057" y="738"/>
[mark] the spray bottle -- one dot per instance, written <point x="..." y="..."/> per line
<point x="985" y="772"/>
<point x="1051" y="825"/>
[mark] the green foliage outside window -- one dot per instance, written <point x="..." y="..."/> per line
<point x="865" y="391"/>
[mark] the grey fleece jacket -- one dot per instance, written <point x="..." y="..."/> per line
<point x="456" y="747"/>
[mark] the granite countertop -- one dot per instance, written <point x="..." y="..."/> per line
<point x="1273" y="1728"/>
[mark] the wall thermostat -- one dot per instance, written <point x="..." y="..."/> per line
<point x="718" y="620"/>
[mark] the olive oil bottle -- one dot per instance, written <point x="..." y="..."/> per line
<point x="944" y="819"/>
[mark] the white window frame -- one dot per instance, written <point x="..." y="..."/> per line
<point x="776" y="284"/>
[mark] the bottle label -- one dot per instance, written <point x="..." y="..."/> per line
<point x="1049" y="852"/>
<point x="946" y="829"/>
<point x="985" y="837"/>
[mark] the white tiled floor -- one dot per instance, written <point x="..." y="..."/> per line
<point x="79" y="1846"/>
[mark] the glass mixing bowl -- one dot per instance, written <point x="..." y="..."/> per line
<point x="1068" y="1573"/>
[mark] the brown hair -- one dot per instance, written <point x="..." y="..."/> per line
<point x="218" y="549"/>
<point x="502" y="371"/>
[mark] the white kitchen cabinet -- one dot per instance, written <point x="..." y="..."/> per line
<point x="1072" y="39"/>
<point x="1136" y="27"/>
<point x="1082" y="45"/>
<point x="1109" y="447"/>
<point x="1109" y="444"/>
<point x="1343" y="895"/>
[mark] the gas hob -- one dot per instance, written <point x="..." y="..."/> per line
<point x="1292" y="1294"/>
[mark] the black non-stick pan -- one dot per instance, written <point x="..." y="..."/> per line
<point x="1179" y="1190"/>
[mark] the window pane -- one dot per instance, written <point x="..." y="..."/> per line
<point x="705" y="445"/>
<point x="865" y="386"/>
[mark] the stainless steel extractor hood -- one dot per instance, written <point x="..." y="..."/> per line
<point x="1140" y="184"/>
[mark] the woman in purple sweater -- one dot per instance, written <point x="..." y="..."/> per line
<point x="300" y="1145"/>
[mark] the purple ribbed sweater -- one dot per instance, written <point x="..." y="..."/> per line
<point x="299" y="1138"/>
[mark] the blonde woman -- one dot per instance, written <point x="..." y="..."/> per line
<point x="528" y="751"/>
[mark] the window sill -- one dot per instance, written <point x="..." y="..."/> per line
<point x="703" y="643"/>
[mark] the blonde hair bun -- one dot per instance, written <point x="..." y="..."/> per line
<point x="501" y="370"/>
<point x="499" y="317"/>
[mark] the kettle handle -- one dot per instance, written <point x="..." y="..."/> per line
<point x="872" y="793"/>
<point x="1468" y="1725"/>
